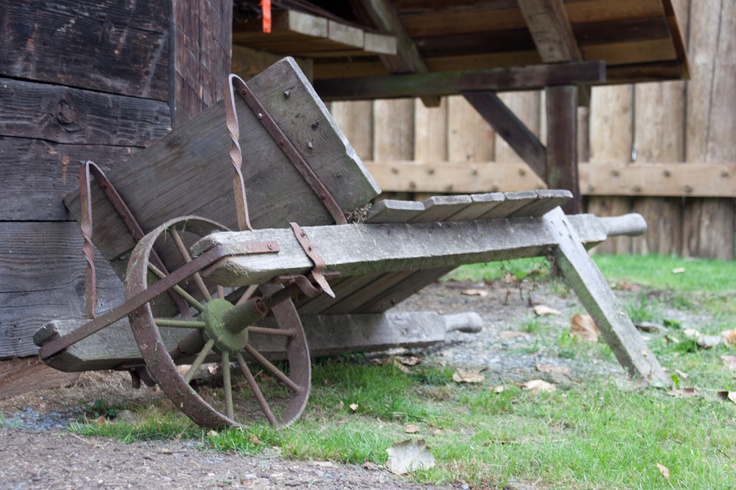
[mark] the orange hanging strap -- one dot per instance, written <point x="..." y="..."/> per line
<point x="266" y="12"/>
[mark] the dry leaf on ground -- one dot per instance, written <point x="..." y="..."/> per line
<point x="584" y="328"/>
<point x="730" y="362"/>
<point x="410" y="361"/>
<point x="370" y="466"/>
<point x="553" y="369"/>
<point x="678" y="270"/>
<point x="681" y="374"/>
<point x="664" y="470"/>
<point x="475" y="292"/>
<point x="709" y="341"/>
<point x="729" y="337"/>
<point x="396" y="362"/>
<point x="353" y="406"/>
<point x="468" y="376"/>
<point x="542" y="310"/>
<point x="253" y="439"/>
<point x="538" y="386"/>
<point x="406" y="456"/>
<point x="683" y="393"/>
<point x="411" y="428"/>
<point x="691" y="333"/>
<point x="727" y="395"/>
<point x="498" y="389"/>
<point x="512" y="334"/>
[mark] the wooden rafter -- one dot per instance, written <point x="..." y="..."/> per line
<point x="407" y="60"/>
<point x="551" y="30"/>
<point x="448" y="83"/>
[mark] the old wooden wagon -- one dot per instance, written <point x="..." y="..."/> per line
<point x="312" y="268"/>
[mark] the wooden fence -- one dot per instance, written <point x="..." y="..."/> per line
<point x="451" y="148"/>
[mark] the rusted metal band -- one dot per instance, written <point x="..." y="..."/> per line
<point x="85" y="196"/>
<point x="319" y="188"/>
<point x="236" y="154"/>
<point x="319" y="263"/>
<point x="188" y="269"/>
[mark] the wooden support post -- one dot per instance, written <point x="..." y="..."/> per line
<point x="562" y="144"/>
<point x="589" y="284"/>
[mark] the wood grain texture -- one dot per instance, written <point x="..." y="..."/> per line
<point x="202" y="45"/>
<point x="430" y="131"/>
<point x="125" y="46"/>
<point x="42" y="278"/>
<point x="37" y="174"/>
<point x="562" y="145"/>
<point x="551" y="30"/>
<point x="469" y="137"/>
<point x="611" y="141"/>
<point x="189" y="171"/>
<point x="19" y="376"/>
<point x="355" y="119"/>
<point x="593" y="291"/>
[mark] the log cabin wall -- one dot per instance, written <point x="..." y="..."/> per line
<point x="86" y="80"/>
<point x="671" y="122"/>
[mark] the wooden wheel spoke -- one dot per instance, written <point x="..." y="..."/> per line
<point x="199" y="360"/>
<point x="247" y="294"/>
<point x="227" y="384"/>
<point x="188" y="258"/>
<point x="179" y="290"/>
<point x="271" y="331"/>
<point x="256" y="390"/>
<point x="273" y="369"/>
<point x="220" y="292"/>
<point x="178" y="323"/>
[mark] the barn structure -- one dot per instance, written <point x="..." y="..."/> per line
<point x="99" y="80"/>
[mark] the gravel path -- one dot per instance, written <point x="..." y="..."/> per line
<point x="36" y="451"/>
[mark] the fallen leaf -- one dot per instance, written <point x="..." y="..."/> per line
<point x="468" y="376"/>
<point x="683" y="393"/>
<point x="410" y="361"/>
<point x="353" y="406"/>
<point x="212" y="433"/>
<point x="709" y="341"/>
<point x="584" y="328"/>
<point x="406" y="456"/>
<point x="253" y="439"/>
<point x="538" y="386"/>
<point x="511" y="334"/>
<point x="411" y="429"/>
<point x="730" y="362"/>
<point x="727" y="395"/>
<point x="475" y="292"/>
<point x="664" y="470"/>
<point x="553" y="369"/>
<point x="498" y="389"/>
<point x="729" y="337"/>
<point x="678" y="270"/>
<point x="542" y="310"/>
<point x="397" y="363"/>
<point x="691" y="333"/>
<point x="377" y="361"/>
<point x="650" y="327"/>
<point x="370" y="466"/>
<point x="627" y="286"/>
<point x="681" y="374"/>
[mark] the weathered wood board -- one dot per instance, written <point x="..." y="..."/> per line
<point x="20" y="376"/>
<point x="108" y="46"/>
<point x="326" y="335"/>
<point x="42" y="278"/>
<point x="189" y="171"/>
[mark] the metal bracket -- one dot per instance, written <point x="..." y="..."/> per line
<point x="319" y="263"/>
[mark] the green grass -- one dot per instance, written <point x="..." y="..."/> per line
<point x="593" y="434"/>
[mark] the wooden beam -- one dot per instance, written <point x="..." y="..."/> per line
<point x="455" y="177"/>
<point x="511" y="129"/>
<point x="247" y="62"/>
<point x="562" y="144"/>
<point x="600" y="179"/>
<point x="454" y="82"/>
<point x="407" y="60"/>
<point x="550" y="28"/>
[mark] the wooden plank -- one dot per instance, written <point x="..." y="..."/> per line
<point x="547" y="200"/>
<point x="394" y="211"/>
<point x="593" y="291"/>
<point x="345" y="34"/>
<point x="562" y="144"/>
<point x="450" y="83"/>
<point x="469" y="137"/>
<point x="327" y="335"/>
<point x="355" y="119"/>
<point x="42" y="278"/>
<point x="383" y="16"/>
<point x="19" y="376"/>
<point x="611" y="141"/>
<point x="196" y="157"/>
<point x="68" y="115"/>
<point x="125" y="46"/>
<point x="511" y="129"/>
<point x="380" y="43"/>
<point x="393" y="130"/>
<point x="202" y="45"/>
<point x="37" y="174"/>
<point x="359" y="249"/>
<point x="708" y="224"/>
<point x="440" y="208"/>
<point x="283" y="21"/>
<point x="430" y="131"/>
<point x="550" y="28"/>
<point x="444" y="21"/>
<point x="461" y="177"/>
<point x="482" y="204"/>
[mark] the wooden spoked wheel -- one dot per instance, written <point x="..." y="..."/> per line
<point x="215" y="324"/>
